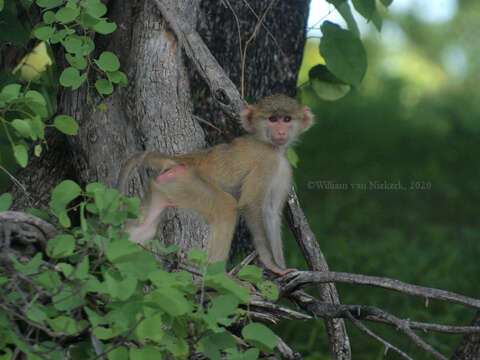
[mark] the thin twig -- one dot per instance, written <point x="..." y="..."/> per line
<point x="199" y="119"/>
<point x="385" y="343"/>
<point x="17" y="182"/>
<point x="238" y="24"/>
<point x="265" y="27"/>
<point x="247" y="43"/>
<point x="247" y="260"/>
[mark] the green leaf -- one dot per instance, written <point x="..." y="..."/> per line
<point x="61" y="246"/>
<point x="292" y="157"/>
<point x="11" y="92"/>
<point x="2" y="4"/>
<point x="103" y="27"/>
<point x="87" y="46"/>
<point x="161" y="278"/>
<point x="73" y="44"/>
<point x="66" y="269"/>
<point x="77" y="61"/>
<point x="30" y="268"/>
<point x="67" y="14"/>
<point x="108" y="61"/>
<point x="80" y="81"/>
<point x="43" y="32"/>
<point x="38" y="127"/>
<point x="120" y="288"/>
<point x="343" y="8"/>
<point x="67" y="325"/>
<point x="222" y="308"/>
<point x="36" y="102"/>
<point x="133" y="206"/>
<point x="147" y="352"/>
<point x="169" y="300"/>
<point x="69" y="77"/>
<point x="102" y="107"/>
<point x="104" y="86"/>
<point x="63" y="193"/>
<point x="64" y="220"/>
<point x="36" y="314"/>
<point x="49" y="280"/>
<point x="386" y="3"/>
<point x="23" y="128"/>
<point x="94" y="8"/>
<point x="37" y="150"/>
<point x="344" y="53"/>
<point x="198" y="256"/>
<point x="5" y="201"/>
<point x="365" y="8"/>
<point x="212" y="344"/>
<point x="326" y="85"/>
<point x="269" y="290"/>
<point x="92" y="188"/>
<point x="117" y="77"/>
<point x="60" y="35"/>
<point x="21" y="155"/>
<point x="49" y="17"/>
<point x="49" y="3"/>
<point x="225" y="285"/>
<point x="66" y="124"/>
<point x="368" y="9"/>
<point x="82" y="268"/>
<point x="151" y="328"/>
<point x="119" y="249"/>
<point x="68" y="299"/>
<point x="250" y="273"/>
<point x="39" y="213"/>
<point x="260" y="336"/>
<point x="119" y="353"/>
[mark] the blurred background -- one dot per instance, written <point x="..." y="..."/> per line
<point x="389" y="176"/>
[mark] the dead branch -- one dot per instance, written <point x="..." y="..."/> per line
<point x="370" y="333"/>
<point x="297" y="221"/>
<point x="305" y="278"/>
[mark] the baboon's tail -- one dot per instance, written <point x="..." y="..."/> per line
<point x="159" y="161"/>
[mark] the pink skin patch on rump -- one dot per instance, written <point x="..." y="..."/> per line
<point x="170" y="174"/>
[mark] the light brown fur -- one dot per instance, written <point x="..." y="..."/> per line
<point x="251" y="175"/>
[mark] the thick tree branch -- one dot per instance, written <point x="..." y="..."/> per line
<point x="222" y="88"/>
<point x="337" y="333"/>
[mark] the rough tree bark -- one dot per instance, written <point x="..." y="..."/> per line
<point x="155" y="111"/>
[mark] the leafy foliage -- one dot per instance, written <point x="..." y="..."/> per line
<point x="102" y="294"/>
<point x="343" y="52"/>
<point x="25" y="112"/>
<point x="59" y="19"/>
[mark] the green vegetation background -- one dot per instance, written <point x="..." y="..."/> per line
<point x="398" y="129"/>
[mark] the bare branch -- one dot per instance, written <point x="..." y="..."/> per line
<point x="286" y="351"/>
<point x="297" y="221"/>
<point x="306" y="278"/>
<point x="222" y="88"/>
<point x="247" y="260"/>
<point x="367" y="331"/>
<point x="247" y="43"/>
